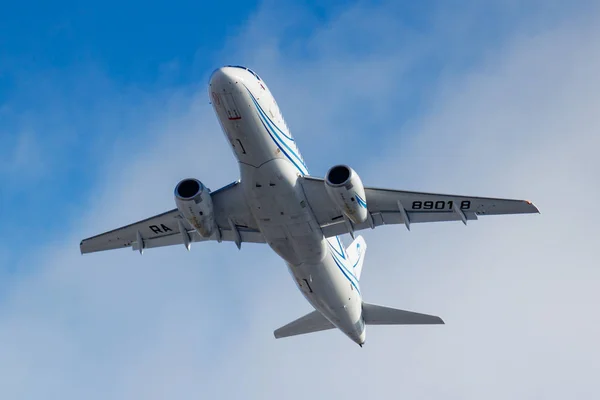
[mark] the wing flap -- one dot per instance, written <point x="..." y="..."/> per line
<point x="246" y="235"/>
<point x="393" y="218"/>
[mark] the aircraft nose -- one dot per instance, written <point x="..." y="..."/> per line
<point x="221" y="76"/>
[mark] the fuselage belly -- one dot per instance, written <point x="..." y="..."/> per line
<point x="270" y="168"/>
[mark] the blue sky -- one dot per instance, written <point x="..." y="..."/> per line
<point x="131" y="41"/>
<point x="71" y="72"/>
<point x="65" y="67"/>
<point x="103" y="108"/>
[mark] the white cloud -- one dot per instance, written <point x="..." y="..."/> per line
<point x="518" y="293"/>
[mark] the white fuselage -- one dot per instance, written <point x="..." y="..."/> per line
<point x="270" y="167"/>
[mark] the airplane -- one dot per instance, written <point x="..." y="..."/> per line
<point x="301" y="217"/>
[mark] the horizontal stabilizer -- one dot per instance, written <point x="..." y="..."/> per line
<point x="312" y="322"/>
<point x="379" y="315"/>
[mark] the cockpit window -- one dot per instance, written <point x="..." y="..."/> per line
<point x="247" y="69"/>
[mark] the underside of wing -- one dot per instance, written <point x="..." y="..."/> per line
<point x="232" y="217"/>
<point x="387" y="206"/>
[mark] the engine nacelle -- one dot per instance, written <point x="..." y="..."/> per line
<point x="195" y="205"/>
<point x="347" y="191"/>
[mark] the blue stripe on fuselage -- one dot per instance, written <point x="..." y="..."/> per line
<point x="341" y="264"/>
<point x="283" y="151"/>
<point x="341" y="250"/>
<point x="268" y="124"/>
<point x="257" y="104"/>
<point x="346" y="273"/>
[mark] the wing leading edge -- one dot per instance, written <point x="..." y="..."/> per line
<point x="387" y="206"/>
<point x="233" y="218"/>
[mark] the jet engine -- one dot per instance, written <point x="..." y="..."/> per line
<point x="195" y="205"/>
<point x="347" y="191"/>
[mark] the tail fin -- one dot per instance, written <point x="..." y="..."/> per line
<point x="311" y="322"/>
<point x="356" y="255"/>
<point x="379" y="315"/>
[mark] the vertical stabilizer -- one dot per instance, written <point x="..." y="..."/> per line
<point x="356" y="255"/>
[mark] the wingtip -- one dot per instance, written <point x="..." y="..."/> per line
<point x="530" y="203"/>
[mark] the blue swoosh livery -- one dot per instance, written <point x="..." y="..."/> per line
<point x="280" y="138"/>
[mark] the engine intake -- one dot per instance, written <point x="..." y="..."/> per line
<point x="346" y="190"/>
<point x="338" y="175"/>
<point x="194" y="202"/>
<point x="188" y="188"/>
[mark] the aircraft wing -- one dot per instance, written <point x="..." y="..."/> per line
<point x="388" y="206"/>
<point x="232" y="215"/>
